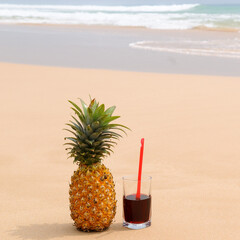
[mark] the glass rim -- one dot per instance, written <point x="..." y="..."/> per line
<point x="134" y="178"/>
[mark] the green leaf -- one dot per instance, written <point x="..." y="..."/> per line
<point x="77" y="108"/>
<point x="102" y="118"/>
<point x="70" y="156"/>
<point x="78" y="130"/>
<point x="90" y="142"/>
<point x="95" y="135"/>
<point x="89" y="112"/>
<point x="89" y="130"/>
<point x="77" y="127"/>
<point x="95" y="125"/>
<point x="71" y="132"/>
<point x="95" y="105"/>
<point x="109" y="149"/>
<point x="110" y="142"/>
<point x="107" y="145"/>
<point x="95" y="144"/>
<point x="84" y="106"/>
<point x="118" y="125"/>
<point x="90" y="149"/>
<point x="99" y="112"/>
<point x="103" y="138"/>
<point x="81" y="117"/>
<point x="112" y="133"/>
<point x="82" y="145"/>
<point x="71" y="144"/>
<point x="78" y="123"/>
<point x="110" y="110"/>
<point x="119" y="129"/>
<point x="107" y="152"/>
<point x="73" y="140"/>
<point x="110" y="119"/>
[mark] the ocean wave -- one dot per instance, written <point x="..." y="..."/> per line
<point x="174" y="21"/>
<point x="152" y="21"/>
<point x="95" y="8"/>
<point x="174" y="17"/>
<point x="228" y="48"/>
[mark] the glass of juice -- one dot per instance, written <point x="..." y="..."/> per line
<point x="136" y="208"/>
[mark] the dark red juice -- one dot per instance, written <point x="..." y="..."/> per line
<point x="137" y="210"/>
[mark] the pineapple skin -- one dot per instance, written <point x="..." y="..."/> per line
<point x="92" y="197"/>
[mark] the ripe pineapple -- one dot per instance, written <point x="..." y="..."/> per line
<point x="92" y="194"/>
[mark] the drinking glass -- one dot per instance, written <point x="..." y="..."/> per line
<point x="136" y="208"/>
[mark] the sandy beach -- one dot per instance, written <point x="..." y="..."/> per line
<point x="191" y="125"/>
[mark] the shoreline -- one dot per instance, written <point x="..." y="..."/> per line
<point x="109" y="48"/>
<point x="101" y="26"/>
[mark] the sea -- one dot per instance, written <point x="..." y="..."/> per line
<point x="151" y="14"/>
<point x="148" y="14"/>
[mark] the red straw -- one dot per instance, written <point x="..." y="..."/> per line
<point x="140" y="170"/>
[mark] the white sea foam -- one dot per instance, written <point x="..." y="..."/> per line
<point x="229" y="48"/>
<point x="181" y="16"/>
<point x="94" y="8"/>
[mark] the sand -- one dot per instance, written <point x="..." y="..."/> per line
<point x="191" y="126"/>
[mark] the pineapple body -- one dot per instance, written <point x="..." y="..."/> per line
<point x="92" y="197"/>
<point x="92" y="193"/>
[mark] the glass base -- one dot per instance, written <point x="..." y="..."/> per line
<point x="137" y="226"/>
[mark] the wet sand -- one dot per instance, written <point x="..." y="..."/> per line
<point x="103" y="47"/>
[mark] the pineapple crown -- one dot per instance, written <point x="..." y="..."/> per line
<point x="93" y="133"/>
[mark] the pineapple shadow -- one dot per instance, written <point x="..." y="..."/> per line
<point x="46" y="231"/>
<point x="56" y="230"/>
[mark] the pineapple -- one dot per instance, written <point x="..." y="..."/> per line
<point x="92" y="195"/>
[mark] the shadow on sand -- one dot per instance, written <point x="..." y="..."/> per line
<point x="56" y="230"/>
